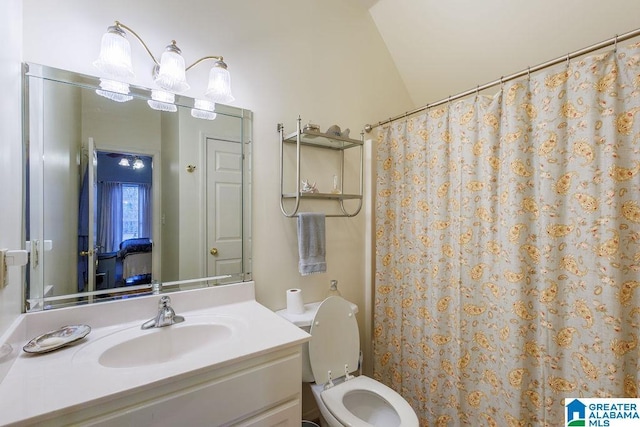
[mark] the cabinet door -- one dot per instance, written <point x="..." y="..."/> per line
<point x="285" y="415"/>
<point x="230" y="400"/>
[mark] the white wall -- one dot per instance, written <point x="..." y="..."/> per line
<point x="128" y="127"/>
<point x="10" y="152"/>
<point x="442" y="48"/>
<point x="61" y="182"/>
<point x="170" y="206"/>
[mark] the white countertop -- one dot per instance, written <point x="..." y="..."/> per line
<point x="55" y="382"/>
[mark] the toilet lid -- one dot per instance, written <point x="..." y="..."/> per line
<point x="335" y="341"/>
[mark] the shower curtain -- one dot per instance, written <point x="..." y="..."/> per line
<point x="508" y="247"/>
<point x="110" y="220"/>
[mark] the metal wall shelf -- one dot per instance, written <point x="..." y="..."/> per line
<point x="322" y="140"/>
<point x="327" y="196"/>
<point x="317" y="139"/>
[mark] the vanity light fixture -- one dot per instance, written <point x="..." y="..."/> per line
<point x="203" y="109"/>
<point x="138" y="163"/>
<point x="135" y="162"/>
<point x="162" y="101"/>
<point x="114" y="62"/>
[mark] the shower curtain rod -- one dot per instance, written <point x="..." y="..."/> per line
<point x="501" y="80"/>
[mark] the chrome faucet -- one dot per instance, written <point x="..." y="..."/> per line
<point x="165" y="317"/>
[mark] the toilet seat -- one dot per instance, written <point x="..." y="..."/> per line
<point x="334" y="398"/>
<point x="335" y="348"/>
<point x="335" y="340"/>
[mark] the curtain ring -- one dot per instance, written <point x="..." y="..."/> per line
<point x="568" y="59"/>
<point x="528" y="73"/>
<point x="501" y="83"/>
<point x="615" y="44"/>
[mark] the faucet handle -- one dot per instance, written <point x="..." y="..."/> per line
<point x="164" y="302"/>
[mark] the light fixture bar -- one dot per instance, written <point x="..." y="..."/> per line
<point x="121" y="25"/>
<point x="204" y="58"/>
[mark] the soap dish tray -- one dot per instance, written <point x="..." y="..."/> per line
<point x="54" y="340"/>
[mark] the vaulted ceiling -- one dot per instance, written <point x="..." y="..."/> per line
<point x="442" y="48"/>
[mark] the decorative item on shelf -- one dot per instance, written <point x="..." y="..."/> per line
<point x="115" y="65"/>
<point x="311" y="127"/>
<point x="308" y="188"/>
<point x="345" y="133"/>
<point x="333" y="130"/>
<point x="335" y="189"/>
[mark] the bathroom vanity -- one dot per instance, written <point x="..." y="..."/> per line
<point x="231" y="362"/>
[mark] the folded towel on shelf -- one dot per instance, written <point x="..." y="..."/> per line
<point x="311" y="243"/>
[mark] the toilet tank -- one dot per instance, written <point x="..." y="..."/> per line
<point x="304" y="321"/>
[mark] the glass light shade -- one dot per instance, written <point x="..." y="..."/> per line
<point x="162" y="101"/>
<point x="219" y="89"/>
<point x="114" y="90"/>
<point x="171" y="74"/>
<point x="115" y="55"/>
<point x="203" y="109"/>
<point x="124" y="162"/>
<point x="138" y="163"/>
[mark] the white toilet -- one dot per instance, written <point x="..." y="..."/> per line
<point x="333" y="353"/>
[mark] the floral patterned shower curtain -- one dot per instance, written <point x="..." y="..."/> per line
<point x="508" y="248"/>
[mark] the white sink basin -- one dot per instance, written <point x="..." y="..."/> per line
<point x="134" y="347"/>
<point x="161" y="345"/>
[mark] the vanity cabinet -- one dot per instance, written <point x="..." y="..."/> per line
<point x="261" y="391"/>
<point x="304" y="137"/>
<point x="232" y="362"/>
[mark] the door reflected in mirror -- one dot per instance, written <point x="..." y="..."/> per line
<point x="124" y="200"/>
<point x="123" y="236"/>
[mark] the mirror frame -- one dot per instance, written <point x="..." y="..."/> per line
<point x="37" y="300"/>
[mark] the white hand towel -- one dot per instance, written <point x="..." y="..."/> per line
<point x="311" y="243"/>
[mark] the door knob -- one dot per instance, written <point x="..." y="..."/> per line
<point x="86" y="253"/>
<point x="213" y="251"/>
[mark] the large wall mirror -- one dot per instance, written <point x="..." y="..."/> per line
<point x="123" y="200"/>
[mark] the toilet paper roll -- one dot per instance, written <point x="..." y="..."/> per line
<point x="294" y="301"/>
